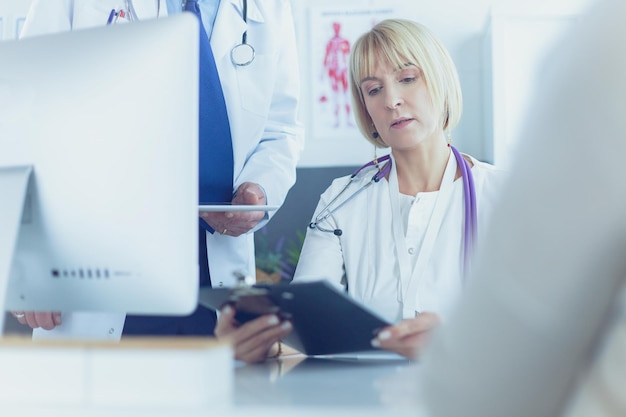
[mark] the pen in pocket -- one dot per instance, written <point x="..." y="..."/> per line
<point x="111" y="16"/>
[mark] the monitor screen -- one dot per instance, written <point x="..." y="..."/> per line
<point x="106" y="120"/>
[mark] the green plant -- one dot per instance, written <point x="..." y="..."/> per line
<point x="267" y="259"/>
<point x="281" y="258"/>
<point x="292" y="256"/>
<point x="269" y="263"/>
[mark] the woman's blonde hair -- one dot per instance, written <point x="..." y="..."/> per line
<point x="401" y="42"/>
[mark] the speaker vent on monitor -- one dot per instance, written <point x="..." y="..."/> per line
<point x="81" y="273"/>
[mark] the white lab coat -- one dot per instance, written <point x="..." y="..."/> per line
<point x="261" y="99"/>
<point x="371" y="257"/>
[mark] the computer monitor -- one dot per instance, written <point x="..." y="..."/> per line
<point x="106" y="121"/>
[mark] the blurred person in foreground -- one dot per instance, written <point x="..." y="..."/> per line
<point x="541" y="330"/>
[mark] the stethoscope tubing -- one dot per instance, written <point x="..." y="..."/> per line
<point x="469" y="205"/>
<point x="243" y="54"/>
<point x="330" y="212"/>
<point x="321" y="217"/>
<point x="470" y="221"/>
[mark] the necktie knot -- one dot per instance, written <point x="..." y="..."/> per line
<point x="192" y="6"/>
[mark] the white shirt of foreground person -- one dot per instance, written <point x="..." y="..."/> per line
<point x="261" y="100"/>
<point x="542" y="328"/>
<point x="379" y="252"/>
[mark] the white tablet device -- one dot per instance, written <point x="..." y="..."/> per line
<point x="223" y="207"/>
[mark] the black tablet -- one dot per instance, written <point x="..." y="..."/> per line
<point x="325" y="320"/>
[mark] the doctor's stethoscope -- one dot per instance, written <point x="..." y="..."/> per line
<point x="241" y="54"/>
<point x="469" y="198"/>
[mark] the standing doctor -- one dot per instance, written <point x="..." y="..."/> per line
<point x="261" y="101"/>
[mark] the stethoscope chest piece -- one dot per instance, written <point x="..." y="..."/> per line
<point x="242" y="54"/>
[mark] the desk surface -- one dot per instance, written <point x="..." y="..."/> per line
<point x="364" y="382"/>
<point x="294" y="386"/>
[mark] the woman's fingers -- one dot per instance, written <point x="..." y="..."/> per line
<point x="226" y="322"/>
<point x="252" y="340"/>
<point x="422" y="323"/>
<point x="409" y="337"/>
<point x="257" y="347"/>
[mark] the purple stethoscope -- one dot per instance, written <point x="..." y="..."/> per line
<point x="469" y="198"/>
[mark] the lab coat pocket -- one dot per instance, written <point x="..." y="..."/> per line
<point x="256" y="83"/>
<point x="93" y="14"/>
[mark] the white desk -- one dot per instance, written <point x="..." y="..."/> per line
<point x="295" y="386"/>
<point x="325" y="382"/>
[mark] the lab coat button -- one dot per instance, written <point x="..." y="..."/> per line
<point x="111" y="330"/>
<point x="411" y="251"/>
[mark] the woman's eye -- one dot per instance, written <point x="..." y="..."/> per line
<point x="408" y="80"/>
<point x="373" y="91"/>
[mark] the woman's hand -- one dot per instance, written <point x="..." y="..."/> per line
<point x="255" y="340"/>
<point x="47" y="320"/>
<point x="237" y="224"/>
<point x="409" y="337"/>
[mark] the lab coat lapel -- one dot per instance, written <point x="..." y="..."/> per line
<point x="229" y="27"/>
<point x="398" y="235"/>
<point x="147" y="9"/>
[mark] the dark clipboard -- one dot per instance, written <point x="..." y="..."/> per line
<point x="325" y="320"/>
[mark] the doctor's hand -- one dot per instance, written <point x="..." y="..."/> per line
<point x="255" y="340"/>
<point x="409" y="337"/>
<point x="34" y="319"/>
<point x="239" y="223"/>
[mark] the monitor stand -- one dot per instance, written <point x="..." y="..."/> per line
<point x="13" y="187"/>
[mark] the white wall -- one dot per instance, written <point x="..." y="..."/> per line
<point x="461" y="24"/>
<point x="515" y="49"/>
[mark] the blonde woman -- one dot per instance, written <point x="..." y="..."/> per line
<point x="399" y="238"/>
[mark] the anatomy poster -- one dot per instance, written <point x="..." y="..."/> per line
<point x="332" y="33"/>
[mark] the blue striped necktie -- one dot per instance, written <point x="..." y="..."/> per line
<point x="215" y="144"/>
<point x="216" y="150"/>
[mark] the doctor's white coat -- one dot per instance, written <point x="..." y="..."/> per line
<point x="262" y="104"/>
<point x="375" y="262"/>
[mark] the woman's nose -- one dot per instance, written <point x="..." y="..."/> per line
<point x="393" y="99"/>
